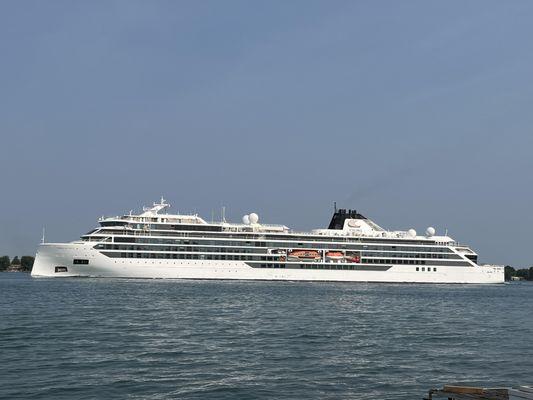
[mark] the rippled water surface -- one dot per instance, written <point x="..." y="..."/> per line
<point x="158" y="339"/>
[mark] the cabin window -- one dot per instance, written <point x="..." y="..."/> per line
<point x="60" y="269"/>
<point x="80" y="261"/>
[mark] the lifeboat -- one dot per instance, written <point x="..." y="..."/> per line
<point x="300" y="254"/>
<point x="353" y="258"/>
<point x="334" y="255"/>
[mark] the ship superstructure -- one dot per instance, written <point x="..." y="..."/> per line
<point x="153" y="244"/>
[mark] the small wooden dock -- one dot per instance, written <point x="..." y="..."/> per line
<point x="477" y="393"/>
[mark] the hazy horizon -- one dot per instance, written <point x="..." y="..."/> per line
<point x="414" y="113"/>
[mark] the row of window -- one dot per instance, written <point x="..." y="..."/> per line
<point x="235" y="249"/>
<point x="231" y="257"/>
<point x="411" y="255"/>
<point x="175" y="256"/>
<point x="267" y="236"/>
<point x="209" y="256"/>
<point x="109" y="246"/>
<point x="204" y="228"/>
<point x="428" y="269"/>
<point x="80" y="261"/>
<point x="253" y="243"/>
<point x="388" y="261"/>
<point x="346" y="267"/>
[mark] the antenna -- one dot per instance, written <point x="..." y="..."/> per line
<point x="212" y="215"/>
<point x="223" y="213"/>
<point x="42" y="239"/>
<point x="335" y="206"/>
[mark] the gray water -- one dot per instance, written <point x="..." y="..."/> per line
<point x="116" y="338"/>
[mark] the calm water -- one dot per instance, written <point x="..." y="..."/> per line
<point x="100" y="338"/>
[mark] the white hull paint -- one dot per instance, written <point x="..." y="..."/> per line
<point x="51" y="255"/>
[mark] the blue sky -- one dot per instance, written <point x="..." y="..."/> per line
<point x="415" y="113"/>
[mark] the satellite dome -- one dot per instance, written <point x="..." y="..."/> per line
<point x="254" y="218"/>
<point x="430" y="231"/>
<point x="246" y="219"/>
<point x="411" y="232"/>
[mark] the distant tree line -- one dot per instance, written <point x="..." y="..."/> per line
<point x="25" y="263"/>
<point x="526" y="273"/>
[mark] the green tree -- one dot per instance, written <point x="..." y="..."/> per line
<point x="523" y="273"/>
<point x="531" y="273"/>
<point x="4" y="263"/>
<point x="27" y="262"/>
<point x="509" y="272"/>
<point x="15" y="261"/>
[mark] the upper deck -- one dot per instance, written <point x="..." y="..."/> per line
<point x="344" y="225"/>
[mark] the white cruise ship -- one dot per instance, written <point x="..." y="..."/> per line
<point x="353" y="248"/>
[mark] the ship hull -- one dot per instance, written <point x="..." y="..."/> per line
<point x="56" y="260"/>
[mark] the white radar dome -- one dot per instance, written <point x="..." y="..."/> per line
<point x="430" y="231"/>
<point x="411" y="232"/>
<point x="254" y="218"/>
<point x="246" y="219"/>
